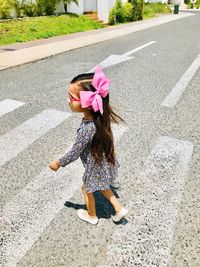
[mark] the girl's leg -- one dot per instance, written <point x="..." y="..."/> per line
<point x="90" y="202"/>
<point x="108" y="194"/>
<point x="85" y="197"/>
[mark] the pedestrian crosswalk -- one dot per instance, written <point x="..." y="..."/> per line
<point x="148" y="238"/>
<point x="27" y="214"/>
<point x="9" y="105"/>
<point x="31" y="210"/>
<point x="41" y="200"/>
<point x="23" y="135"/>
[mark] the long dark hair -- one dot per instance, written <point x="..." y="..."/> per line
<point x="102" y="143"/>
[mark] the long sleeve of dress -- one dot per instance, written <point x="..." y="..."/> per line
<point x="84" y="135"/>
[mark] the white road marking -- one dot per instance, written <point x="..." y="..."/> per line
<point x="171" y="100"/>
<point x="139" y="48"/>
<point x="116" y="59"/>
<point x="153" y="211"/>
<point x="9" y="105"/>
<point x="25" y="134"/>
<point x="27" y="215"/>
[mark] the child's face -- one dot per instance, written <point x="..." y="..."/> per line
<point x="74" y="97"/>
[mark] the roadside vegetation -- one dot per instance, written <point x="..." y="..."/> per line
<point x="135" y="10"/>
<point x="26" y="20"/>
<point x="154" y="9"/>
<point x="31" y="8"/>
<point x="27" y="29"/>
<point x="190" y="5"/>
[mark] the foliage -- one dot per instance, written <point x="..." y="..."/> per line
<point x="197" y="5"/>
<point x="29" y="8"/>
<point x="49" y="7"/>
<point x="27" y="29"/>
<point x="128" y="12"/>
<point x="40" y="7"/>
<point x="5" y="8"/>
<point x="138" y="9"/>
<point x="190" y="5"/>
<point x="18" y="6"/>
<point x="117" y="13"/>
<point x="151" y="9"/>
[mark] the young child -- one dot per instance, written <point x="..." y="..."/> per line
<point x="89" y="93"/>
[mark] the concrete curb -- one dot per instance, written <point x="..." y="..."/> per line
<point x="38" y="52"/>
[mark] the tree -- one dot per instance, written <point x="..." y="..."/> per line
<point x="67" y="2"/>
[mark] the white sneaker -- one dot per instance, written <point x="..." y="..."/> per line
<point x="83" y="215"/>
<point x="118" y="216"/>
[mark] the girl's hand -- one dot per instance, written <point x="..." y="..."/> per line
<point x="54" y="165"/>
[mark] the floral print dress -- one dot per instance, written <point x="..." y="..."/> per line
<point x="97" y="176"/>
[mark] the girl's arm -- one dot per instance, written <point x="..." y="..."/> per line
<point x="84" y="135"/>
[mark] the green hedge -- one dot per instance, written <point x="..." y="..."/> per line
<point x="28" y="8"/>
<point x="130" y="11"/>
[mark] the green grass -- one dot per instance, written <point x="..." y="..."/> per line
<point x="27" y="29"/>
<point x="153" y="9"/>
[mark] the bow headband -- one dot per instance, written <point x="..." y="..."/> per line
<point x="94" y="99"/>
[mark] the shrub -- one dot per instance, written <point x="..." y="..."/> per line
<point x="117" y="13"/>
<point x="128" y="12"/>
<point x="49" y="7"/>
<point x="138" y="9"/>
<point x="112" y="17"/>
<point x="40" y="7"/>
<point x="45" y="7"/>
<point x="17" y="4"/>
<point x="5" y="8"/>
<point x="29" y="8"/>
<point x="197" y="4"/>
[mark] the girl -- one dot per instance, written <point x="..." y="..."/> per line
<point x="88" y="93"/>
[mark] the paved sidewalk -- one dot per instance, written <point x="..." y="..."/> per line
<point x="18" y="54"/>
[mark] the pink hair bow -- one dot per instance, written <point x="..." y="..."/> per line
<point x="94" y="99"/>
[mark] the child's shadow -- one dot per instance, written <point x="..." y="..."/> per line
<point x="103" y="207"/>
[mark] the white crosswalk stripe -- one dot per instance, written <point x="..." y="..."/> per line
<point x="29" y="212"/>
<point x="9" y="105"/>
<point x="147" y="237"/>
<point x="26" y="133"/>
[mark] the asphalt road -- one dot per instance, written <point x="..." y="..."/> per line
<point x="158" y="149"/>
